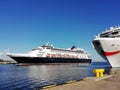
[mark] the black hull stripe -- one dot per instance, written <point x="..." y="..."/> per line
<point x="49" y="60"/>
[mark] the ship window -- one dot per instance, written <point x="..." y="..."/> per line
<point x="97" y="42"/>
<point x="48" y="47"/>
<point x="105" y="34"/>
<point x="114" y="33"/>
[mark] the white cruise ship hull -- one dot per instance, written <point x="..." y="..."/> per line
<point x="109" y="49"/>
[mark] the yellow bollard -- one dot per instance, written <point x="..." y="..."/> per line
<point x="98" y="72"/>
<point x="101" y="72"/>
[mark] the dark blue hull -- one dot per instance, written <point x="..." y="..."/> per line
<point x="49" y="60"/>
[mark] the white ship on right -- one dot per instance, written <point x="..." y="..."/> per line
<point x="107" y="44"/>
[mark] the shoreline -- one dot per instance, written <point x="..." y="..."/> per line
<point x="107" y="82"/>
<point x="7" y="62"/>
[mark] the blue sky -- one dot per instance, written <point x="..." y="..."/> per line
<point x="25" y="24"/>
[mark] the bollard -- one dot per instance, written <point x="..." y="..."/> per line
<point x="98" y="72"/>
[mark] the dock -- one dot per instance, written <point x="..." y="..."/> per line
<point x="107" y="82"/>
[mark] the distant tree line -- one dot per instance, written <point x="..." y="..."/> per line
<point x="1" y="60"/>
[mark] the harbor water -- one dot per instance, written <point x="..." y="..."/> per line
<point x="34" y="77"/>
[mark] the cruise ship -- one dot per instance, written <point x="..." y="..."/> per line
<point x="47" y="53"/>
<point x="107" y="44"/>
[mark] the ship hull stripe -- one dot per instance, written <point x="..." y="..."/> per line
<point x="111" y="53"/>
<point x="49" y="60"/>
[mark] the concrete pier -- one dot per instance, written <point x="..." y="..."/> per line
<point x="107" y="82"/>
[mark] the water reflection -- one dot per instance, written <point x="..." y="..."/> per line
<point x="17" y="77"/>
<point x="57" y="73"/>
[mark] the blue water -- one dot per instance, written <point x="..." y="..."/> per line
<point x="32" y="77"/>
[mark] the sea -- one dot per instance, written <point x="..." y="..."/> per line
<point x="35" y="77"/>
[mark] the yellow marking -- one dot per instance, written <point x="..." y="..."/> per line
<point x="50" y="86"/>
<point x="72" y="81"/>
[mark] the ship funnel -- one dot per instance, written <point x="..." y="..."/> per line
<point x="73" y="47"/>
